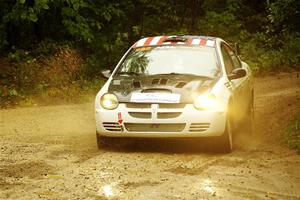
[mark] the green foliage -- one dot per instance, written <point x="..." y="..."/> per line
<point x="268" y="31"/>
<point x="292" y="138"/>
<point x="75" y="23"/>
<point x="223" y="24"/>
<point x="265" y="54"/>
<point x="15" y="56"/>
<point x="25" y="11"/>
<point x="284" y="16"/>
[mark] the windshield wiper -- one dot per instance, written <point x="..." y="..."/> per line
<point x="187" y="74"/>
<point x="128" y="73"/>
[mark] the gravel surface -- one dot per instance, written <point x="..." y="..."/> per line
<point x="50" y="153"/>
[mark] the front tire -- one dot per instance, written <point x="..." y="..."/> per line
<point x="247" y="123"/>
<point x="225" y="141"/>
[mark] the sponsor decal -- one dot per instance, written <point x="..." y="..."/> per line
<point x="148" y="48"/>
<point x="155" y="98"/>
<point x="120" y="120"/>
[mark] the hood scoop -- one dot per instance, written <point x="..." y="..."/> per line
<point x="155" y="81"/>
<point x="163" y="81"/>
<point x="159" y="81"/>
<point x="136" y="84"/>
<point x="157" y="90"/>
<point x="181" y="84"/>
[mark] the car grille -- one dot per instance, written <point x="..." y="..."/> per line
<point x="199" y="127"/>
<point x="162" y="105"/>
<point x="171" y="105"/>
<point x="158" y="127"/>
<point x="167" y="115"/>
<point x="138" y="105"/>
<point x="163" y="111"/>
<point x="143" y="115"/>
<point x="160" y="115"/>
<point x="112" y="126"/>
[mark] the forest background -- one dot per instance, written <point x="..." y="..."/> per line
<point x="53" y="51"/>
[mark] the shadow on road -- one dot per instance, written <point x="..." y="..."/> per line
<point x="167" y="146"/>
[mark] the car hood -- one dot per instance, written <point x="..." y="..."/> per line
<point x="186" y="86"/>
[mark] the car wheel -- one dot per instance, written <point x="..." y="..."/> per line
<point x="251" y="116"/>
<point x="247" y="123"/>
<point x="225" y="141"/>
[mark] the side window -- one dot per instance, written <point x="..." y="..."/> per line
<point x="227" y="60"/>
<point x="234" y="58"/>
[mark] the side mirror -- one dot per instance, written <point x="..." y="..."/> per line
<point x="106" y="73"/>
<point x="237" y="49"/>
<point x="237" y="73"/>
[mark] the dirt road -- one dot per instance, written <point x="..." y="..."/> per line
<point x="50" y="153"/>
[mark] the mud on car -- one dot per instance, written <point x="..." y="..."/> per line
<point x="176" y="87"/>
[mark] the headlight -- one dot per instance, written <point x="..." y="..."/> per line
<point x="206" y="102"/>
<point x="109" y="101"/>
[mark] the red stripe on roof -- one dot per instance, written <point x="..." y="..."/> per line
<point x="148" y="41"/>
<point x="161" y="40"/>
<point x="203" y="42"/>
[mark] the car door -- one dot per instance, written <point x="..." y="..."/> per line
<point x="242" y="82"/>
<point x="231" y="62"/>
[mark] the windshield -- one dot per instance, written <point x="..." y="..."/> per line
<point x="199" y="61"/>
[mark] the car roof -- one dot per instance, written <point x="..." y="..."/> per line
<point x="176" y="40"/>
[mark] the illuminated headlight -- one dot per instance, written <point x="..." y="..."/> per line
<point x="206" y="102"/>
<point x="109" y="101"/>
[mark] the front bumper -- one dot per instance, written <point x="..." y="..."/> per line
<point x="157" y="122"/>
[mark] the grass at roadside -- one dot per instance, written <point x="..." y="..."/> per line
<point x="75" y="92"/>
<point x="292" y="137"/>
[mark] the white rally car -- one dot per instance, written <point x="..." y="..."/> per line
<point x="173" y="87"/>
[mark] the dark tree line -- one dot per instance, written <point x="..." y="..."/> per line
<point x="268" y="30"/>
